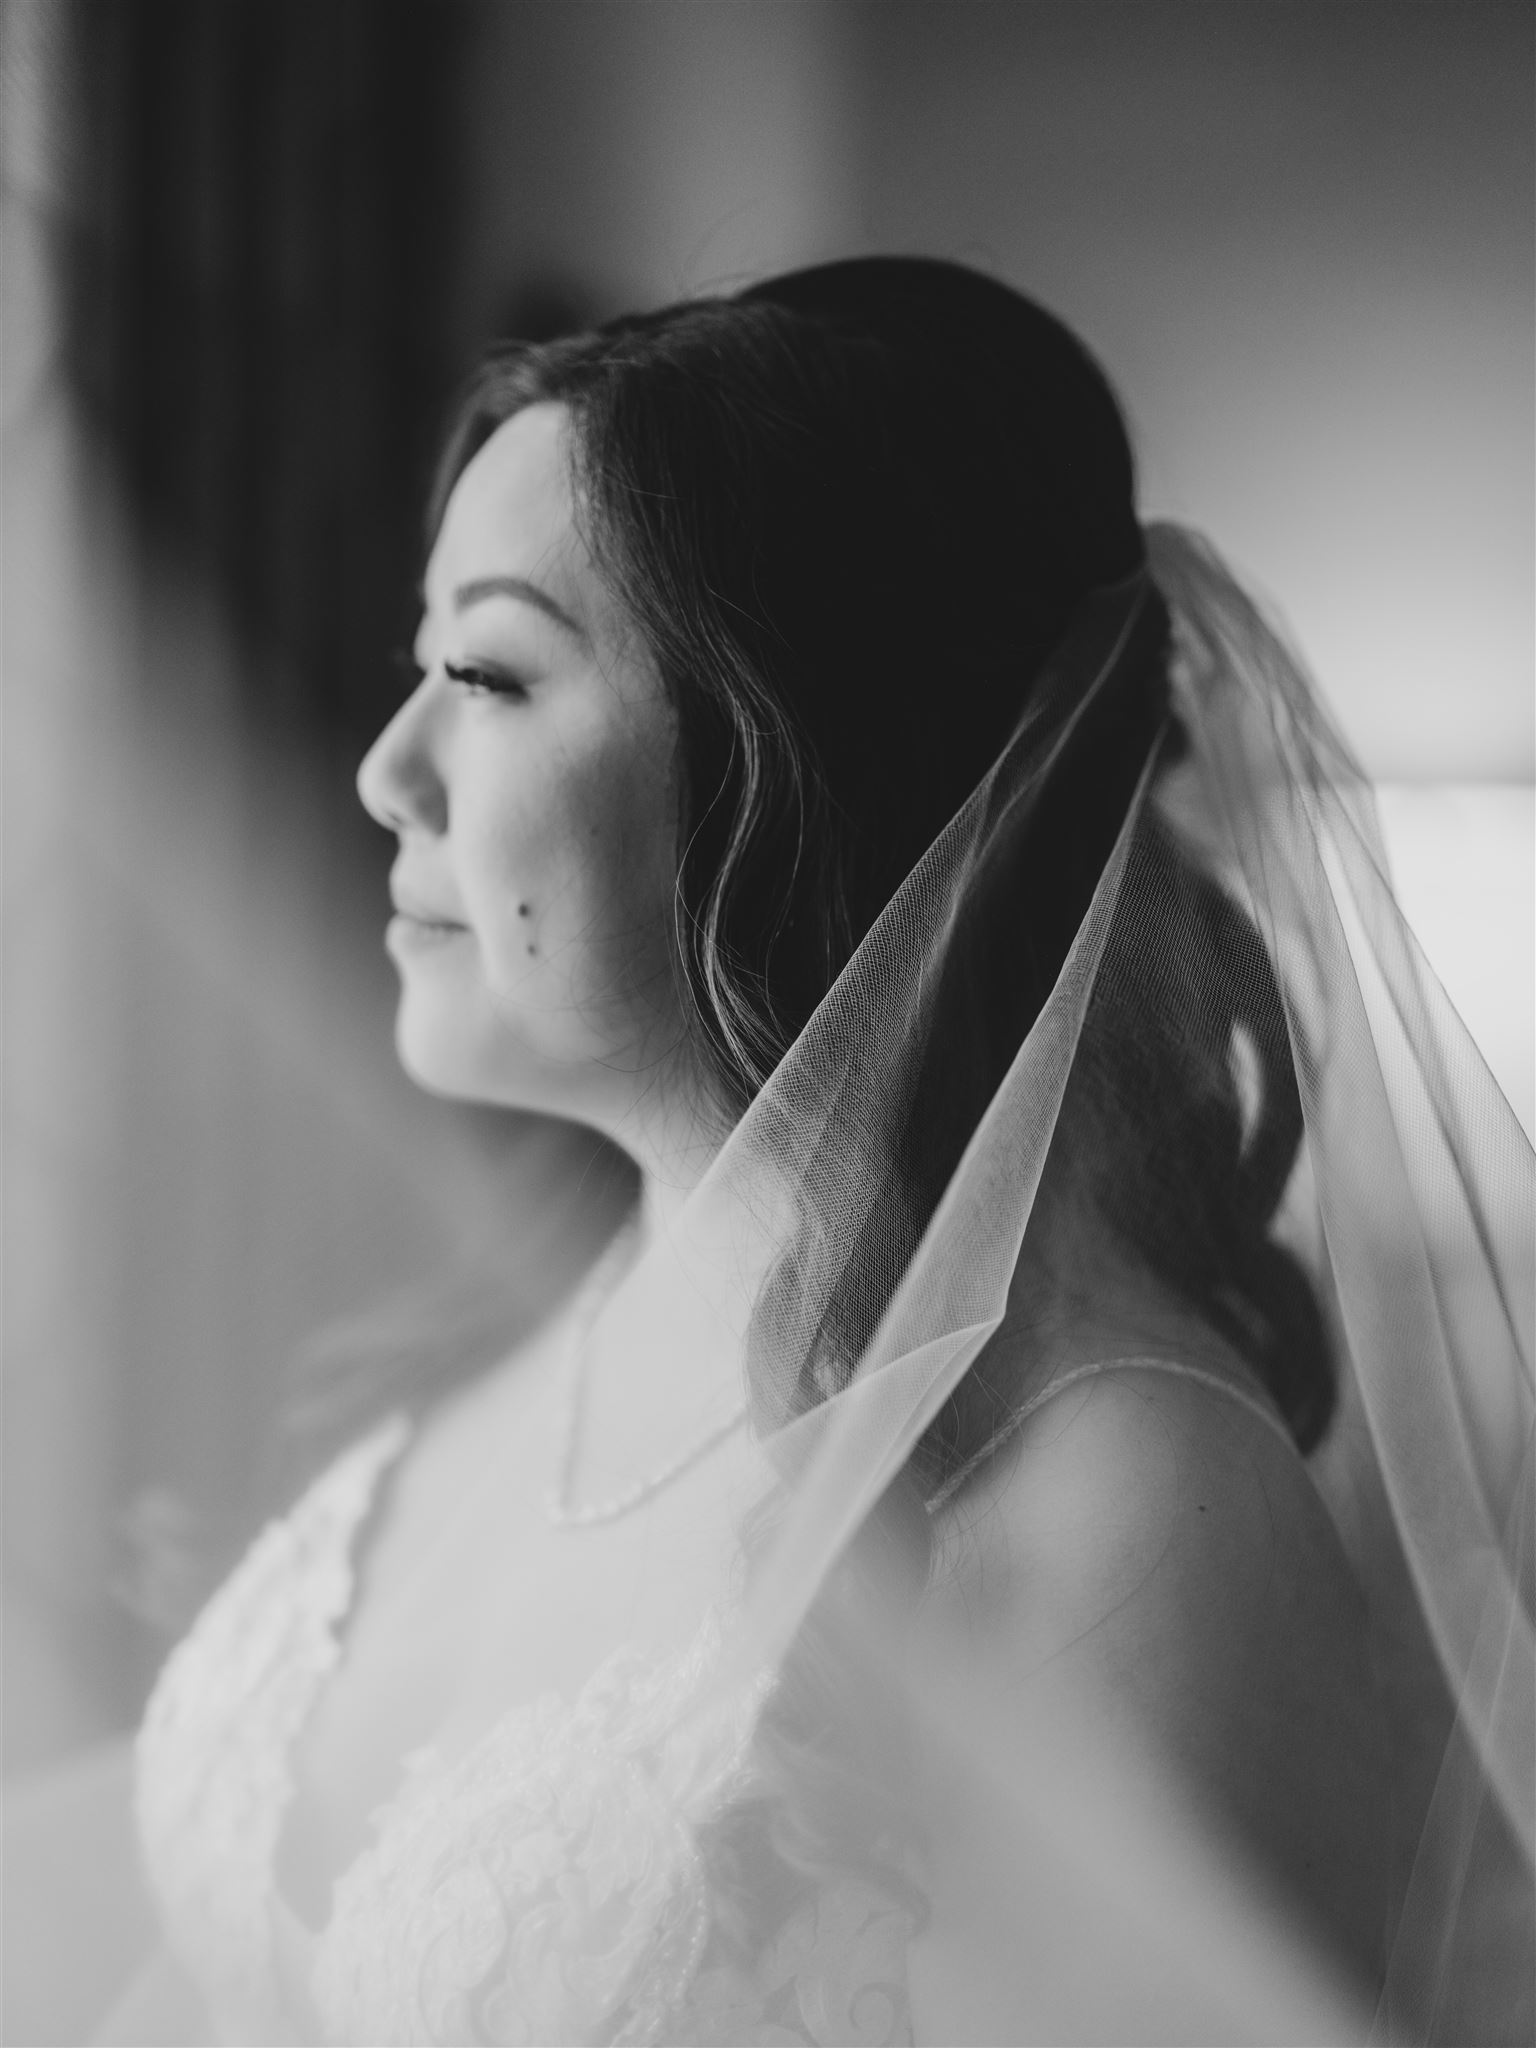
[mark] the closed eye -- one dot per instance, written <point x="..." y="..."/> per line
<point x="483" y="681"/>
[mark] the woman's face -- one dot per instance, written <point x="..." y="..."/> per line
<point x="530" y="780"/>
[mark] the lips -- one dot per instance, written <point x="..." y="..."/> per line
<point x="423" y="913"/>
<point x="415" y="929"/>
<point x="427" y="918"/>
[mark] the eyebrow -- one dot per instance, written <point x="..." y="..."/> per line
<point x="482" y="587"/>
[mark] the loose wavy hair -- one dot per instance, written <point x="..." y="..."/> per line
<point x="852" y="511"/>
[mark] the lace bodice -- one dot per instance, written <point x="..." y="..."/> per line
<point x="548" y="1885"/>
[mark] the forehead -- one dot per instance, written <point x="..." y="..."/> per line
<point x="512" y="512"/>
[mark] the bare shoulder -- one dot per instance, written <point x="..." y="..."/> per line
<point x="1149" y="1554"/>
<point x="1141" y="1491"/>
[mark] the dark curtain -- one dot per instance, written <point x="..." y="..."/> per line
<point x="257" y="258"/>
<point x="260" y="316"/>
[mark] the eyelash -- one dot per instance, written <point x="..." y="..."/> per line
<point x="484" y="682"/>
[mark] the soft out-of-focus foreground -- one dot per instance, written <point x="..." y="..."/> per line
<point x="250" y="247"/>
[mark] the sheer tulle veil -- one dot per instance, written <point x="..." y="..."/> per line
<point x="1411" y="1206"/>
<point x="804" y="1288"/>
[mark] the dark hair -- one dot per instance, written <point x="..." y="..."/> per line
<point x="853" y="511"/>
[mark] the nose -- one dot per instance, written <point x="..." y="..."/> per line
<point x="399" y="783"/>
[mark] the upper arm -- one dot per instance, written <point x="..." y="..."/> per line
<point x="1144" y="1542"/>
<point x="1147" y="1596"/>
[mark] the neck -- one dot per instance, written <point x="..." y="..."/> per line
<point x="674" y="1133"/>
<point x="1078" y="1301"/>
<point x="664" y="1193"/>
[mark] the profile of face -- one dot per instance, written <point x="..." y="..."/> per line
<point x="530" y="780"/>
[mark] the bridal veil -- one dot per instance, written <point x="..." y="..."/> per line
<point x="1410" y="1207"/>
<point x="827" y="1326"/>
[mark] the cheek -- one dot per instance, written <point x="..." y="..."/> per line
<point x="575" y="882"/>
<point x="631" y="849"/>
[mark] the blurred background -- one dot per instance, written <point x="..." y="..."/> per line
<point x="250" y="247"/>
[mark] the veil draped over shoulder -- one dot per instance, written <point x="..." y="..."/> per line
<point x="1410" y="1207"/>
<point x="794" y="1557"/>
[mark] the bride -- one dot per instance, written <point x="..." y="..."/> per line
<point x="1018" y="1536"/>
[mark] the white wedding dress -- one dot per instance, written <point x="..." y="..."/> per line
<point x="546" y="1886"/>
<point x="551" y="1883"/>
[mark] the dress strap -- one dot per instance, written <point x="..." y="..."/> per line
<point x="1254" y="1403"/>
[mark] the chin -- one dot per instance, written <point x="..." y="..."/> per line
<point x="467" y="1059"/>
<point x="445" y="1055"/>
<point x="436" y="1076"/>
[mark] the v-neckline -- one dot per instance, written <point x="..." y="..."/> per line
<point x="383" y="1448"/>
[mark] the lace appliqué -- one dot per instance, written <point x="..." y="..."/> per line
<point x="214" y="1759"/>
<point x="547" y="1886"/>
<point x="835" y="1976"/>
